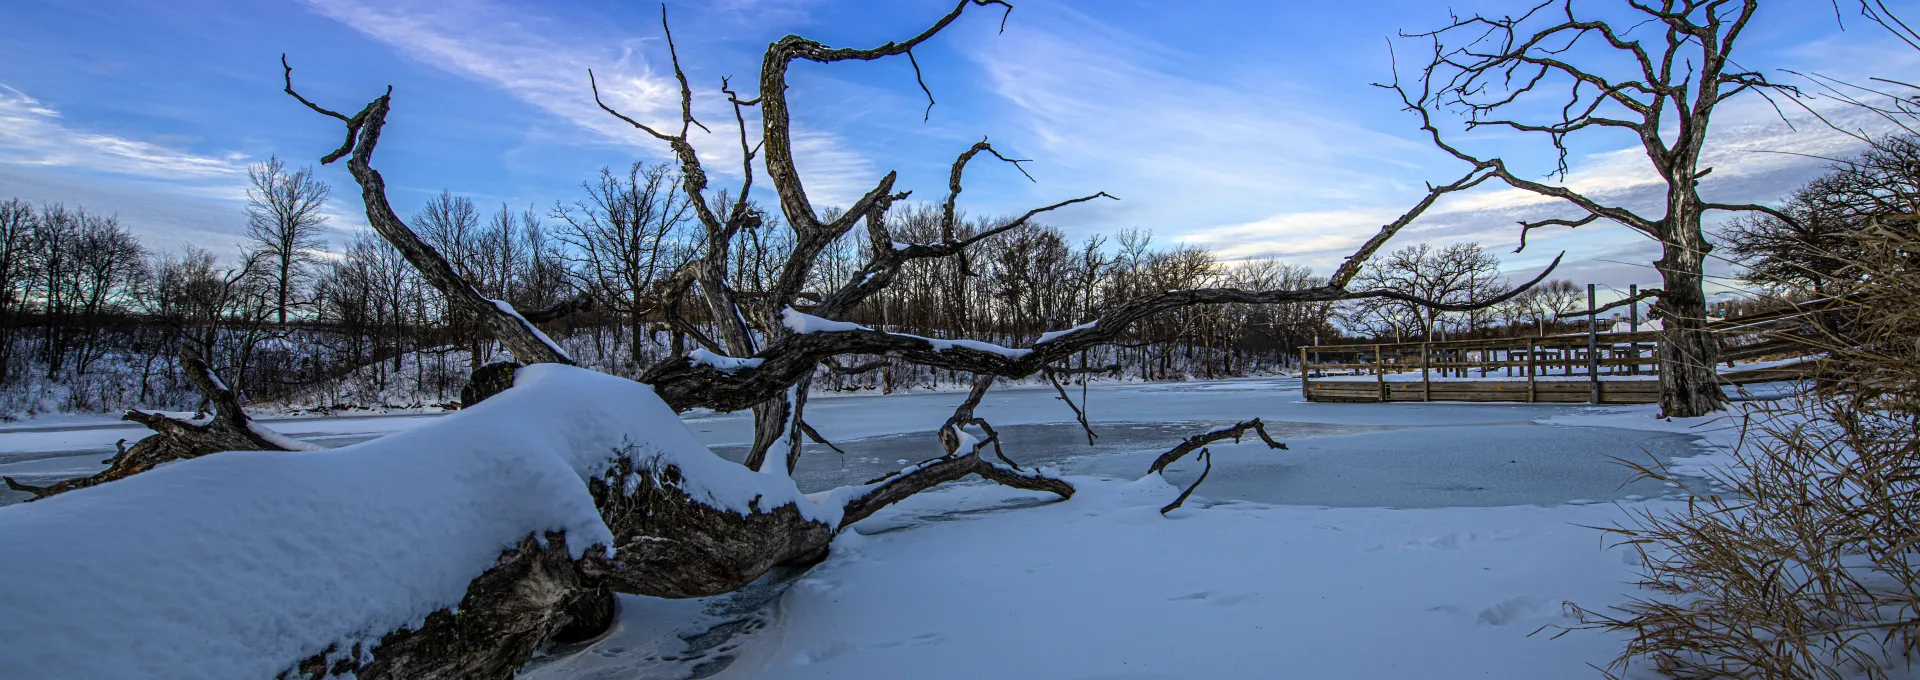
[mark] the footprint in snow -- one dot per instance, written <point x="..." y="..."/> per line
<point x="1452" y="541"/>
<point x="1212" y="598"/>
<point x="839" y="648"/>
<point x="1514" y="609"/>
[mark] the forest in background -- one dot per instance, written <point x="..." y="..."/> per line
<point x="92" y="320"/>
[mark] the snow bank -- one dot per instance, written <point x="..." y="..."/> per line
<point x="236" y="564"/>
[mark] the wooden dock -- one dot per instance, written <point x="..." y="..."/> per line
<point x="1590" y="368"/>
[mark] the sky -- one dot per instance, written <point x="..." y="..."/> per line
<point x="1250" y="128"/>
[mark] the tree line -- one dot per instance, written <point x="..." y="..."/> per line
<point x="93" y="319"/>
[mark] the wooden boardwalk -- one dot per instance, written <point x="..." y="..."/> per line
<point x="1593" y="368"/>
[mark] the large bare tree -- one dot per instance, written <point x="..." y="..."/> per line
<point x="761" y="357"/>
<point x="284" y="221"/>
<point x="1584" y="74"/>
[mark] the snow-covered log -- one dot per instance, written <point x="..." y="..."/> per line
<point x="249" y="563"/>
<point x="174" y="439"/>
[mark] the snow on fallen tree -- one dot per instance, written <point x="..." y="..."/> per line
<point x="243" y="564"/>
<point x="450" y="550"/>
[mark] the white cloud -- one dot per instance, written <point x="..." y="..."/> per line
<point x="517" y="51"/>
<point x="1119" y="112"/>
<point x="33" y="134"/>
<point x="1755" y="156"/>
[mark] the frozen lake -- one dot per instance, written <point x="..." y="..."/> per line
<point x="1406" y="455"/>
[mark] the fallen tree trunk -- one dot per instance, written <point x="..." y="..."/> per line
<point x="537" y="595"/>
<point x="174" y="439"/>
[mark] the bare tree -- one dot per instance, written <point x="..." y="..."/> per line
<point x="762" y="355"/>
<point x="1494" y="70"/>
<point x="107" y="260"/>
<point x="622" y="235"/>
<point x="1813" y="251"/>
<point x="18" y="222"/>
<point x="1461" y="273"/>
<point x="285" y="223"/>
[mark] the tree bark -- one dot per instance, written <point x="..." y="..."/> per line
<point x="1689" y="381"/>
<point x="536" y="595"/>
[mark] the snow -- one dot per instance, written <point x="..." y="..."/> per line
<point x="720" y="362"/>
<point x="544" y="340"/>
<point x="808" y="323"/>
<point x="1001" y="583"/>
<point x="1051" y="335"/>
<point x="281" y="440"/>
<point x="942" y="345"/>
<point x="1102" y="586"/>
<point x="975" y="580"/>
<point x="236" y="564"/>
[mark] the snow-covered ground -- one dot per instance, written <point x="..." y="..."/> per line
<point x="1392" y="540"/>
<point x="976" y="582"/>
<point x="1260" y="577"/>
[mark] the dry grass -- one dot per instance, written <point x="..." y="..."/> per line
<point x="1808" y="569"/>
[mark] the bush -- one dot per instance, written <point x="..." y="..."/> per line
<point x="1807" y="570"/>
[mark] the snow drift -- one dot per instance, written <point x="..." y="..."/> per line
<point x="241" y="563"/>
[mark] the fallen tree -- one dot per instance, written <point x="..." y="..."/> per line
<point x="174" y="439"/>
<point x="668" y="518"/>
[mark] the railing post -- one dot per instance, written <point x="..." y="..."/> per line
<point x="1633" y="343"/>
<point x="1531" y="353"/>
<point x="1380" y="371"/>
<point x="1426" y="382"/>
<point x="1304" y="392"/>
<point x="1593" y="349"/>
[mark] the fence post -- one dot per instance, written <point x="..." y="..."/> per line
<point x="1593" y="349"/>
<point x="1531" y="353"/>
<point x="1426" y="382"/>
<point x="1304" y="392"/>
<point x="1380" y="371"/>
<point x="1633" y="318"/>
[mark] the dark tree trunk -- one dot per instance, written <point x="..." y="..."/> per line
<point x="1689" y="382"/>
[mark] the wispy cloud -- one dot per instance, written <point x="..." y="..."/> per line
<point x="520" y="52"/>
<point x="1118" y="111"/>
<point x="33" y="134"/>
<point x="516" y="51"/>
<point x="1756" y="157"/>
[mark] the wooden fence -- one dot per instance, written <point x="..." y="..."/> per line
<point x="1594" y="368"/>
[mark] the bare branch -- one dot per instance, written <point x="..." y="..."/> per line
<point x="1197" y="441"/>
<point x="526" y="342"/>
<point x="1622" y="302"/>
<point x="1078" y="414"/>
<point x="1526" y="226"/>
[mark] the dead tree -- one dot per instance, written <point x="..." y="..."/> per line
<point x="173" y="439"/>
<point x="666" y="543"/>
<point x="1486" y="69"/>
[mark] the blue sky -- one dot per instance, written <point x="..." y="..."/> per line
<point x="1247" y="127"/>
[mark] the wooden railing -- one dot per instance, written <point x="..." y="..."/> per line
<point x="1598" y="368"/>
